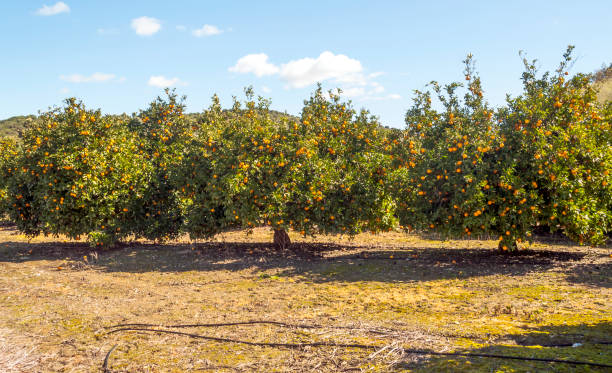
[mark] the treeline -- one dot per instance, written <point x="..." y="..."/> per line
<point x="459" y="168"/>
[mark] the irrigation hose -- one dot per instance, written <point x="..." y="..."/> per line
<point x="347" y="345"/>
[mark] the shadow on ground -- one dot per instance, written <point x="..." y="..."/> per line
<point x="425" y="264"/>
<point x="594" y="274"/>
<point x="312" y="261"/>
<point x="550" y="342"/>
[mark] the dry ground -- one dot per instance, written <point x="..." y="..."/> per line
<point x="58" y="300"/>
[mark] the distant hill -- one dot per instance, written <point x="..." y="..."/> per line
<point x="603" y="79"/>
<point x="11" y="127"/>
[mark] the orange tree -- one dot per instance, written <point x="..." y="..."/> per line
<point x="445" y="159"/>
<point x="76" y="174"/>
<point x="323" y="173"/>
<point x="164" y="133"/>
<point x="542" y="160"/>
<point x="8" y="152"/>
<point x="214" y="174"/>
<point x="239" y="169"/>
<point x="343" y="188"/>
<point x="559" y="155"/>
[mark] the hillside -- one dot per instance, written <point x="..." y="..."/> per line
<point x="11" y="127"/>
<point x="605" y="90"/>
<point x="603" y="80"/>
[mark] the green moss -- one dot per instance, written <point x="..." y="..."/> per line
<point x="75" y="325"/>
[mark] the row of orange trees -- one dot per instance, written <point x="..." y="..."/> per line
<point x="460" y="167"/>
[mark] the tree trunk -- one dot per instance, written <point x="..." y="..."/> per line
<point x="281" y="239"/>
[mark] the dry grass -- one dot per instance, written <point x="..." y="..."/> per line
<point x="392" y="290"/>
<point x="16" y="353"/>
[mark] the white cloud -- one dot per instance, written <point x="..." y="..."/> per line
<point x="108" y="31"/>
<point x="207" y="30"/>
<point x="93" y="78"/>
<point x="347" y="72"/>
<point x="255" y="63"/>
<point x="371" y="92"/>
<point x="163" y="82"/>
<point x="266" y="89"/>
<point x="51" y="10"/>
<point x="306" y="71"/>
<point x="377" y="88"/>
<point x="181" y="28"/>
<point x="146" y="26"/>
<point x="353" y="91"/>
<point x="64" y="90"/>
<point x="392" y="96"/>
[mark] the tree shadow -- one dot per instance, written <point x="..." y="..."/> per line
<point x="426" y="264"/>
<point x="19" y="252"/>
<point x="582" y="342"/>
<point x="592" y="274"/>
<point x="565" y="335"/>
<point x="550" y="239"/>
<point x="130" y="256"/>
<point x="312" y="262"/>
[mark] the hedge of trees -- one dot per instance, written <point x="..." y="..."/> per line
<point x="460" y="167"/>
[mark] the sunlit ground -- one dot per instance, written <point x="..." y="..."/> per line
<point x="58" y="300"/>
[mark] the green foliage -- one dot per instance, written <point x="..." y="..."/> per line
<point x="542" y="160"/>
<point x="560" y="147"/>
<point x="446" y="160"/>
<point x="249" y="168"/>
<point x="344" y="189"/>
<point x="8" y="151"/>
<point x="76" y="175"/>
<point x="459" y="168"/>
<point x="163" y="133"/>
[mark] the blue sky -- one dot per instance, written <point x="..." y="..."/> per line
<point x="118" y="55"/>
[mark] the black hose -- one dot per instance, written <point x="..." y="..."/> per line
<point x="362" y="346"/>
<point x="105" y="364"/>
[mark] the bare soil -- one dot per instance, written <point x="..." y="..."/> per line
<point x="59" y="300"/>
